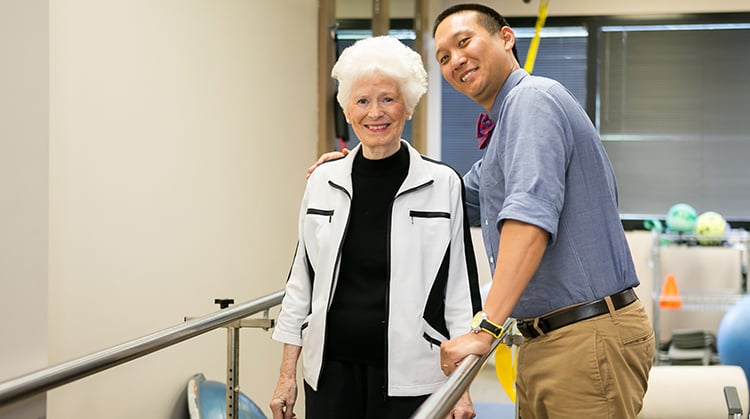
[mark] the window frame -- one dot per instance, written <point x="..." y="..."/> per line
<point x="594" y="25"/>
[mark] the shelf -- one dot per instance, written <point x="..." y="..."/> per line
<point x="704" y="302"/>
<point x="736" y="238"/>
<point x="712" y="277"/>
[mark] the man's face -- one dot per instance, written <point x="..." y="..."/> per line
<point x="472" y="60"/>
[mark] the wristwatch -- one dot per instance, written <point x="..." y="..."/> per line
<point x="480" y="322"/>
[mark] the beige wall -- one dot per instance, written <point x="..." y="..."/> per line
<point x="24" y="99"/>
<point x="179" y="134"/>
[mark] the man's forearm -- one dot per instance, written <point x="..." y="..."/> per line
<point x="519" y="253"/>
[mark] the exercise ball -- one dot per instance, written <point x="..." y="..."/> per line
<point x="733" y="337"/>
<point x="711" y="228"/>
<point x="206" y="399"/>
<point x="681" y="218"/>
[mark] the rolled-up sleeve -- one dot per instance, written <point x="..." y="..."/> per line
<point x="535" y="158"/>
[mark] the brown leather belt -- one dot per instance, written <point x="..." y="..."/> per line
<point x="575" y="314"/>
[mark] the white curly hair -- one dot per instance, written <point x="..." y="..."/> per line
<point x="381" y="55"/>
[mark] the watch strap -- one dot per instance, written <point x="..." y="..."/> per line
<point x="491" y="328"/>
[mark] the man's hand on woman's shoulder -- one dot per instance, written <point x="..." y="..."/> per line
<point x="324" y="158"/>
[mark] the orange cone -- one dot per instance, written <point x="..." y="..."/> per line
<point x="670" y="295"/>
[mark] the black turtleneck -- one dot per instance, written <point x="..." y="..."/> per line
<point x="356" y="320"/>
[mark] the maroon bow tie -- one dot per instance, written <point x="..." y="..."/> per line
<point x="485" y="126"/>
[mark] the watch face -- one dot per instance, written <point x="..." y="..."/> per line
<point x="481" y="323"/>
<point x="477" y="320"/>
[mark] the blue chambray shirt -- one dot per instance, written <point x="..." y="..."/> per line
<point x="545" y="165"/>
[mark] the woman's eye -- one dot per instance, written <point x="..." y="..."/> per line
<point x="362" y="101"/>
<point x="443" y="59"/>
<point x="463" y="42"/>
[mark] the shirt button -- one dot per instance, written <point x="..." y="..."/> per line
<point x="492" y="259"/>
<point x="486" y="222"/>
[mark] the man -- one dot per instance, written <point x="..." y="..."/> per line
<point x="545" y="195"/>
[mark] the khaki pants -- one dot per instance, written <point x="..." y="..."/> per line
<point x="593" y="369"/>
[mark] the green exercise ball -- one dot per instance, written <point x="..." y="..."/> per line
<point x="681" y="218"/>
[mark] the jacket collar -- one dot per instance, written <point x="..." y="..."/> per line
<point x="418" y="175"/>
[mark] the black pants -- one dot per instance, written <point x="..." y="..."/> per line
<point x="356" y="391"/>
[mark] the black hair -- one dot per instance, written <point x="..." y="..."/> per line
<point x="487" y="17"/>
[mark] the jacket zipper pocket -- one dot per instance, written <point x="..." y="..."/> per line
<point x="430" y="339"/>
<point x="315" y="211"/>
<point x="428" y="214"/>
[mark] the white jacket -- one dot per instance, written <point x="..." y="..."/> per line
<point x="428" y="231"/>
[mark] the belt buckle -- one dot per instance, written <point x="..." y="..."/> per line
<point x="543" y="326"/>
<point x="525" y="329"/>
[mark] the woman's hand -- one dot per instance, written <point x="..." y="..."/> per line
<point x="284" y="398"/>
<point x="285" y="395"/>
<point x="464" y="408"/>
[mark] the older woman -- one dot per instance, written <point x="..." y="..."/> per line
<point x="384" y="269"/>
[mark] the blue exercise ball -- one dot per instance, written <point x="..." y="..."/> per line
<point x="207" y="400"/>
<point x="733" y="337"/>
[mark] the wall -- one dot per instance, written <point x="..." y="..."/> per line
<point x="24" y="101"/>
<point x="179" y="135"/>
<point x="362" y="9"/>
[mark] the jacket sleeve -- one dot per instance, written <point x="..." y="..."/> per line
<point x="462" y="297"/>
<point x="295" y="306"/>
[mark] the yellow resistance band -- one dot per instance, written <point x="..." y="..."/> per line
<point x="534" y="47"/>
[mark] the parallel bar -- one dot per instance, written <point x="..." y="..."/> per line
<point x="441" y="402"/>
<point x="48" y="378"/>
<point x="734" y="406"/>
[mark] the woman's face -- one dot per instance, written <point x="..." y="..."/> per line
<point x="377" y="113"/>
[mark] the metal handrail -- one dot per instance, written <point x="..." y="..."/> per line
<point x="441" y="402"/>
<point x="48" y="378"/>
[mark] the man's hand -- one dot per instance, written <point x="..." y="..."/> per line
<point x="464" y="408"/>
<point x="284" y="398"/>
<point x="324" y="158"/>
<point x="453" y="351"/>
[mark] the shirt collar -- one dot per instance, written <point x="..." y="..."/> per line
<point x="514" y="78"/>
